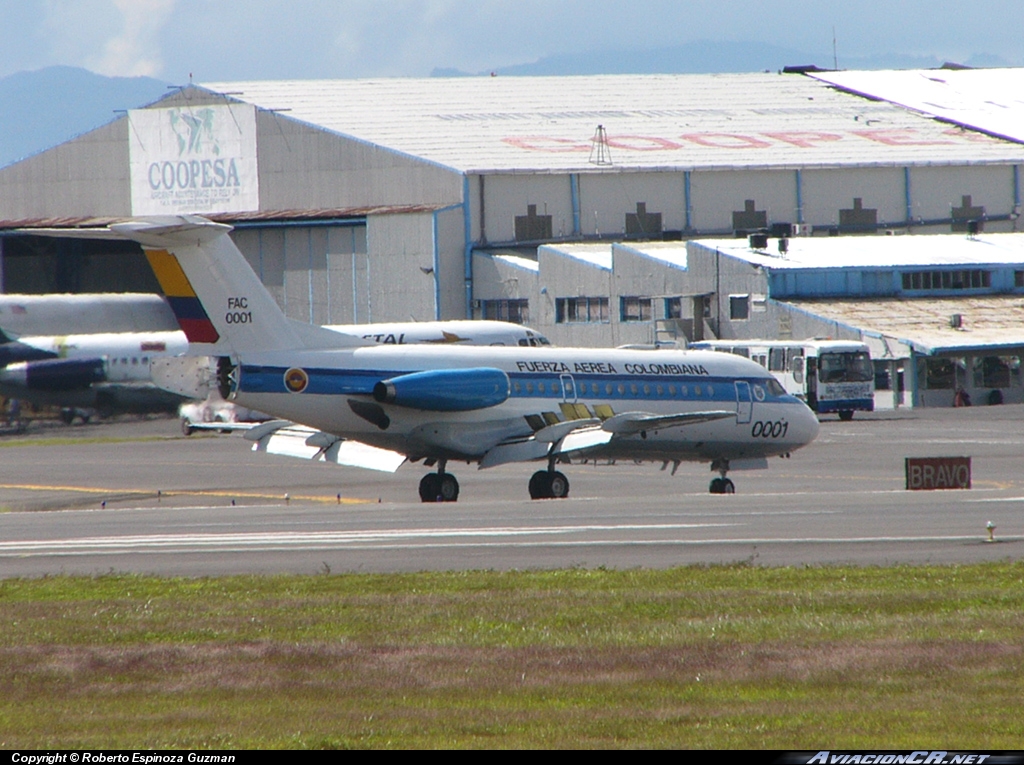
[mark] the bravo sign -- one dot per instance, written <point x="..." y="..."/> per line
<point x="938" y="473"/>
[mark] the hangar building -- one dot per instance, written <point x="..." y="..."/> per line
<point x="360" y="200"/>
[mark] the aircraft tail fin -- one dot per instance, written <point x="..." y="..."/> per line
<point x="220" y="304"/>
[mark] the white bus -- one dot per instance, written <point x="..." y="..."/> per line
<point x="830" y="375"/>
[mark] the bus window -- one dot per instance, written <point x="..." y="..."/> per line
<point x="845" y="367"/>
<point x="777" y="360"/>
<point x="792" y="354"/>
<point x="797" y="367"/>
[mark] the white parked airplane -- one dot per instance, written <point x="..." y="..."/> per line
<point x="113" y="371"/>
<point x="485" y="405"/>
<point x="450" y="332"/>
<point x="106" y="372"/>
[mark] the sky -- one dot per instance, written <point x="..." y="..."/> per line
<point x="279" y="39"/>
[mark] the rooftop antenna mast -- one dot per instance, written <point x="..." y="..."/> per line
<point x="835" y="57"/>
<point x="600" y="154"/>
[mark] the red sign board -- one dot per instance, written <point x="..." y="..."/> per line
<point x="938" y="473"/>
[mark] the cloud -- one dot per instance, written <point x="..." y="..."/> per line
<point x="136" y="50"/>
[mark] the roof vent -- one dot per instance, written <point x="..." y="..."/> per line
<point x="758" y="241"/>
<point x="956" y="321"/>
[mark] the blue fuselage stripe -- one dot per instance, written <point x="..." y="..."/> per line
<point x="326" y="381"/>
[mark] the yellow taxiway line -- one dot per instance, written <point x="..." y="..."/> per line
<point x="156" y="493"/>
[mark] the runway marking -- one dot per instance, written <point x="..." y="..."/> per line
<point x="396" y="539"/>
<point x="181" y="493"/>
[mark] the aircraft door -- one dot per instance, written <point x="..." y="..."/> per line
<point x="568" y="389"/>
<point x="744" y="402"/>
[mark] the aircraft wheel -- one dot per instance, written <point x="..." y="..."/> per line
<point x="845" y="415"/>
<point x="728" y="487"/>
<point x="540" y="485"/>
<point x="430" y="487"/>
<point x="186" y="427"/>
<point x="448" y="488"/>
<point x="67" y="415"/>
<point x="717" y="486"/>
<point x="558" y="486"/>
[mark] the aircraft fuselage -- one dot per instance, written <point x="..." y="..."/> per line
<point x="333" y="391"/>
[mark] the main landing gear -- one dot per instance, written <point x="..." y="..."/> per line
<point x="549" y="484"/>
<point x="439" y="486"/>
<point x="442" y="486"/>
<point x="721" y="485"/>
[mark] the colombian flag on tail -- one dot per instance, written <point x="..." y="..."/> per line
<point x="191" y="316"/>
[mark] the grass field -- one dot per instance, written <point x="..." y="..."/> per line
<point x="908" y="657"/>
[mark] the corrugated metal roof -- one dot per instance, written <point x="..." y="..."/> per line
<point x="991" y="100"/>
<point x="672" y="254"/>
<point x="878" y="251"/>
<point x="546" y="124"/>
<point x="992" y="322"/>
<point x="240" y="217"/>
<point x="518" y="261"/>
<point x="599" y="255"/>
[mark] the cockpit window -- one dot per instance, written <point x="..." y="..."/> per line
<point x="774" y="387"/>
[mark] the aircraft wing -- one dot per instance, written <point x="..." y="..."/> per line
<point x="291" y="440"/>
<point x="219" y="427"/>
<point x="578" y="435"/>
<point x="629" y="423"/>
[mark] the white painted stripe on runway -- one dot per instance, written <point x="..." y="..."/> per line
<point x="431" y="539"/>
<point x="297" y="538"/>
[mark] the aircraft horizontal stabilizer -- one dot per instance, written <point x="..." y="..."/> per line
<point x="629" y="423"/>
<point x="284" y="438"/>
<point x="171" y="230"/>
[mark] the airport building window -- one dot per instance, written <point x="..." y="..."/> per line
<point x="515" y="310"/>
<point x="739" y="307"/>
<point x="940" y="373"/>
<point x="634" y="309"/>
<point x="674" y="308"/>
<point x="581" y="309"/>
<point x="996" y="371"/>
<point x="974" y="279"/>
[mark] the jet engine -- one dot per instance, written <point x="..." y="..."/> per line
<point x="54" y="374"/>
<point x="445" y="390"/>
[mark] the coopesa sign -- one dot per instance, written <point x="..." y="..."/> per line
<point x="938" y="473"/>
<point x="200" y="159"/>
<point x="203" y="174"/>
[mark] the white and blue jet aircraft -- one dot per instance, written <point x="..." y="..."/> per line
<point x="442" y="404"/>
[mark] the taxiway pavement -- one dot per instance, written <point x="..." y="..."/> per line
<point x="137" y="496"/>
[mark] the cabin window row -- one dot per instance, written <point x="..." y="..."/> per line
<point x="608" y="389"/>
